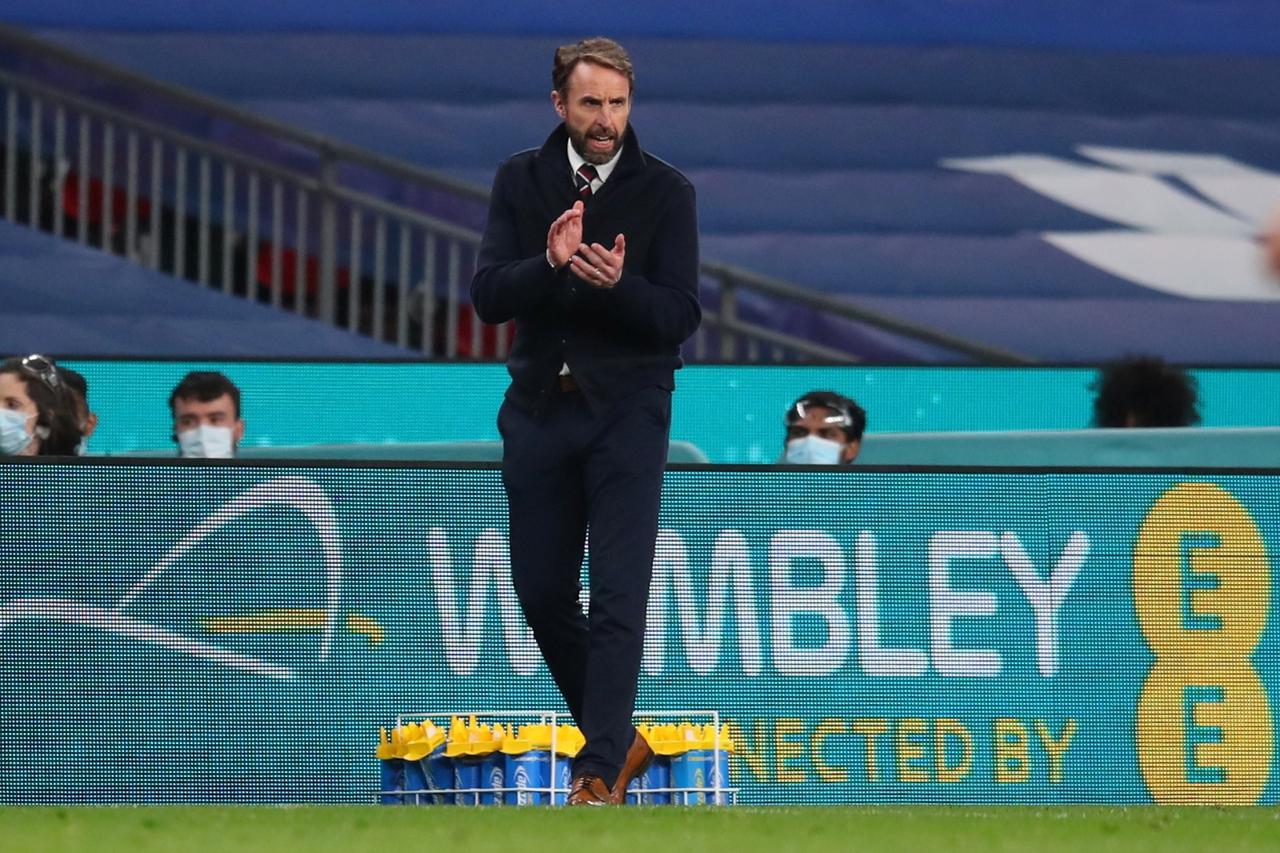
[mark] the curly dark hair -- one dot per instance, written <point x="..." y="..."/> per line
<point x="55" y="408"/>
<point x="205" y="386"/>
<point x="1144" y="391"/>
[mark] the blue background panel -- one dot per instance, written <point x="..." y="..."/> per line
<point x="733" y="413"/>
<point x="1221" y="26"/>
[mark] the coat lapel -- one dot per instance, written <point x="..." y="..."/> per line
<point x="555" y="181"/>
<point x="631" y="162"/>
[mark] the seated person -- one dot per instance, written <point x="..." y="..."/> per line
<point x="1143" y="391"/>
<point x="79" y="388"/>
<point x="206" y="416"/>
<point x="823" y="428"/>
<point x="36" y="415"/>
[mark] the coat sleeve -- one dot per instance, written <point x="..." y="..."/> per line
<point x="662" y="301"/>
<point x="508" y="284"/>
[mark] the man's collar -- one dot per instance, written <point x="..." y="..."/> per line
<point x="603" y="170"/>
<point x="628" y="159"/>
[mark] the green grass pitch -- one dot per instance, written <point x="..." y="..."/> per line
<point x="864" y="829"/>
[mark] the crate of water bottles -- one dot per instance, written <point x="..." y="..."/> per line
<point x="490" y="758"/>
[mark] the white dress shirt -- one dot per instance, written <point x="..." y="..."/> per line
<point x="603" y="171"/>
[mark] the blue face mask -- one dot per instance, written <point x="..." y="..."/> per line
<point x="812" y="450"/>
<point x="14" y="437"/>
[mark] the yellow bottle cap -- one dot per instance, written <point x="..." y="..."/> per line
<point x="384" y="745"/>
<point x="569" y="740"/>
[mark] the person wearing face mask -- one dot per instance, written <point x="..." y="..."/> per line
<point x="35" y="413"/>
<point x="823" y="428"/>
<point x="206" y="416"/>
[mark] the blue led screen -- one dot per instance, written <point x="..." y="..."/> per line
<point x="238" y="632"/>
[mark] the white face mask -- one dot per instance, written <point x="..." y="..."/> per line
<point x="14" y="437"/>
<point x="206" y="442"/>
<point x="812" y="450"/>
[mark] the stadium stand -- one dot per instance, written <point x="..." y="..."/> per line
<point x="994" y="607"/>
<point x="256" y="157"/>
<point x="974" y="189"/>
<point x="59" y="297"/>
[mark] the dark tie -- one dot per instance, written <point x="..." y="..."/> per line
<point x="582" y="180"/>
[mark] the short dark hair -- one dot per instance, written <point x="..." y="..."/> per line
<point x="1144" y="391"/>
<point x="55" y="407"/>
<point x="79" y="388"/>
<point x="853" y="415"/>
<point x="75" y="381"/>
<point x="598" y="51"/>
<point x="205" y="386"/>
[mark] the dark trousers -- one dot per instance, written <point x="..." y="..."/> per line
<point x="568" y="469"/>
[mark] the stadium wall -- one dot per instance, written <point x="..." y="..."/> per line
<point x="238" y="632"/>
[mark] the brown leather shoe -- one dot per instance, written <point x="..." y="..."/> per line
<point x="588" y="790"/>
<point x="639" y="756"/>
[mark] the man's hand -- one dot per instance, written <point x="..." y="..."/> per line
<point x="565" y="236"/>
<point x="598" y="266"/>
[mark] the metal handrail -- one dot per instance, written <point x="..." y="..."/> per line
<point x="236" y="209"/>
<point x="326" y="147"/>
<point x="783" y="340"/>
<point x="844" y="308"/>
<point x="732" y="328"/>
<point x="177" y="137"/>
<point x="417" y="217"/>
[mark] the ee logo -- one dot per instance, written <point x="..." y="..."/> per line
<point x="1202" y="589"/>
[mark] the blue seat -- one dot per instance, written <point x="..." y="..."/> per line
<point x="60" y="297"/>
